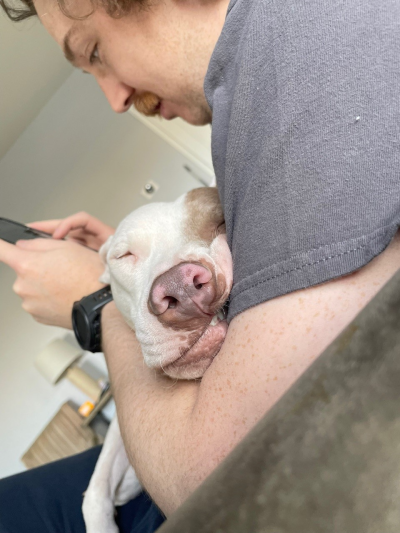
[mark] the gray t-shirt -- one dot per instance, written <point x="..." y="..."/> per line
<point x="306" y="139"/>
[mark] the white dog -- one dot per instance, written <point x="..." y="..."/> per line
<point x="170" y="271"/>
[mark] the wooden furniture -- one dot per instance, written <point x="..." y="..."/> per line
<point x="65" y="435"/>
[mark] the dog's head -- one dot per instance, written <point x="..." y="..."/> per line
<point x="170" y="271"/>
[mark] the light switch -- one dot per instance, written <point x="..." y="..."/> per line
<point x="149" y="189"/>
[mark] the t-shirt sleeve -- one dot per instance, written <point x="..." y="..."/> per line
<point x="306" y="140"/>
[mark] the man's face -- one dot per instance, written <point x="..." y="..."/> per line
<point x="155" y="58"/>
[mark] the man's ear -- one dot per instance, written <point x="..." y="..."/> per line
<point x="105" y="277"/>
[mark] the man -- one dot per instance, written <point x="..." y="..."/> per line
<point x="306" y="125"/>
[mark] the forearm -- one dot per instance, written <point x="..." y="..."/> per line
<point x="177" y="433"/>
<point x="154" y="414"/>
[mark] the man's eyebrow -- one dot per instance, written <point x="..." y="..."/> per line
<point x="68" y="52"/>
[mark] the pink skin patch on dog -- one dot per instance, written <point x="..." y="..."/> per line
<point x="195" y="361"/>
<point x="185" y="298"/>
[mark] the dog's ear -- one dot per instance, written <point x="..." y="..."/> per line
<point x="105" y="277"/>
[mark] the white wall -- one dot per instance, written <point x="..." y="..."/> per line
<point x="32" y="68"/>
<point x="75" y="155"/>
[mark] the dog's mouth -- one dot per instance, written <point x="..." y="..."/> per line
<point x="194" y="360"/>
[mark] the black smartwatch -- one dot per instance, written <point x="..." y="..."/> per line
<point x="86" y="315"/>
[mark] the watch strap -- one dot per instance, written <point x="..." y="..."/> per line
<point x="86" y="318"/>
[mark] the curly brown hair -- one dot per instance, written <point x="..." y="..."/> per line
<point x="26" y="8"/>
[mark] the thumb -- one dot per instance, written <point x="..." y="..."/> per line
<point x="45" y="225"/>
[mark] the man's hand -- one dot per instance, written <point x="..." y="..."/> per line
<point x="81" y="228"/>
<point x="51" y="276"/>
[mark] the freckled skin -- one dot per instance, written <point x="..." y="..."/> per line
<point x="275" y="360"/>
<point x="195" y="443"/>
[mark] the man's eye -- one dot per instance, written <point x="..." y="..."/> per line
<point x="94" y="56"/>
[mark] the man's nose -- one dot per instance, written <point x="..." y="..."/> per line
<point x="117" y="93"/>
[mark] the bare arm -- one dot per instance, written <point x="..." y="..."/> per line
<point x="176" y="433"/>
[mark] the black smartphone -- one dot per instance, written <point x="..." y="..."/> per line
<point x="12" y="232"/>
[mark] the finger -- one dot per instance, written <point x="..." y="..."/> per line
<point x="45" y="225"/>
<point x="39" y="245"/>
<point x="83" y="226"/>
<point x="79" y="240"/>
<point x="79" y="221"/>
<point x="10" y="254"/>
<point x="17" y="287"/>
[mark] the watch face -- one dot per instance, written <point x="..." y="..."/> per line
<point x="81" y="327"/>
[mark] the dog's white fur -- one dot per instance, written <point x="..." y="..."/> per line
<point x="148" y="243"/>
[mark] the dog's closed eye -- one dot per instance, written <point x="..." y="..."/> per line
<point x="126" y="254"/>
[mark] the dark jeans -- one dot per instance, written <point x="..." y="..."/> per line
<point x="48" y="499"/>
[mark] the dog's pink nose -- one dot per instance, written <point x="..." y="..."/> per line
<point x="185" y="291"/>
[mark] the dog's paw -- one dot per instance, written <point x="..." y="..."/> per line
<point x="128" y="488"/>
<point x="102" y="527"/>
<point x="98" y="514"/>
